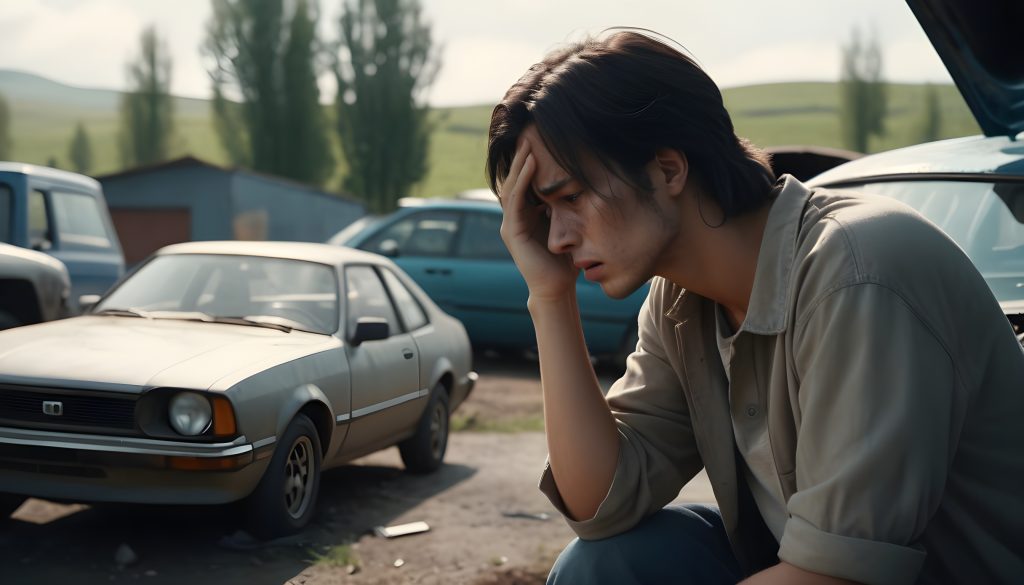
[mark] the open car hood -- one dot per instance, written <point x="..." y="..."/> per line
<point x="980" y="43"/>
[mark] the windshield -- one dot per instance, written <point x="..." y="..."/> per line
<point x="985" y="219"/>
<point x="303" y="295"/>
<point x="346" y="234"/>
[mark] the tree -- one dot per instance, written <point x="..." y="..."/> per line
<point x="80" y="152"/>
<point x="147" y="109"/>
<point x="930" y="125"/>
<point x="52" y="162"/>
<point x="6" y="145"/>
<point x="862" y="92"/>
<point x="265" y="52"/>
<point x="383" y="65"/>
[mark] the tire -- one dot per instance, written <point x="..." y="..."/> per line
<point x="424" y="451"/>
<point x="8" y="504"/>
<point x="285" y="498"/>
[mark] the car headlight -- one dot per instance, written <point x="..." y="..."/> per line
<point x="190" y="414"/>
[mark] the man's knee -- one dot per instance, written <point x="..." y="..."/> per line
<point x="677" y="544"/>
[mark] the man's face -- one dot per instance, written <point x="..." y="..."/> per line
<point x="613" y="236"/>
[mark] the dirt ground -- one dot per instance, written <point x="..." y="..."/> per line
<point x="486" y="517"/>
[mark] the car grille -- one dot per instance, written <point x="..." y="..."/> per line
<point x="79" y="411"/>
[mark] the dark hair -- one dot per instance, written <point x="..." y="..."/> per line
<point x="621" y="99"/>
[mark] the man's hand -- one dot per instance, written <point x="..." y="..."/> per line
<point x="524" y="229"/>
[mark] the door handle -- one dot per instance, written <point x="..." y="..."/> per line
<point x="407" y="353"/>
<point x="439" y="271"/>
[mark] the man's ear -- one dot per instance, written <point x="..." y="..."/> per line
<point x="671" y="169"/>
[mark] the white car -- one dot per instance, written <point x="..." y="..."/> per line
<point x="222" y="371"/>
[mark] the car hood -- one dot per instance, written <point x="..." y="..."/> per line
<point x="133" y="354"/>
<point x="979" y="42"/>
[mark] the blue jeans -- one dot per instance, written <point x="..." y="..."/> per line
<point x="679" y="544"/>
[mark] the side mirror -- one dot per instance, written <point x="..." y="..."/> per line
<point x="388" y="248"/>
<point x="370" y="329"/>
<point x="87" y="302"/>
<point x="41" y="244"/>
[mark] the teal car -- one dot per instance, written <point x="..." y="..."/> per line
<point x="452" y="249"/>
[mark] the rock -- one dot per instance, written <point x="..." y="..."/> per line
<point x="399" y="563"/>
<point x="125" y="556"/>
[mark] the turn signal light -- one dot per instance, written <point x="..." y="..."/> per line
<point x="209" y="463"/>
<point x="223" y="417"/>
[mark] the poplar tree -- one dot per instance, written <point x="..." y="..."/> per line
<point x="6" y="145"/>
<point x="384" y="63"/>
<point x="862" y="92"/>
<point x="264" y="55"/>
<point x="147" y="108"/>
<point x="80" y="151"/>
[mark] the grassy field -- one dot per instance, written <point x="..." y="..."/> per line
<point x="44" y="115"/>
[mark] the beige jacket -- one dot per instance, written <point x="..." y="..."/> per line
<point x="893" y="387"/>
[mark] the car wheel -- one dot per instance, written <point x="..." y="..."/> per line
<point x="424" y="451"/>
<point x="283" y="501"/>
<point x="8" y="504"/>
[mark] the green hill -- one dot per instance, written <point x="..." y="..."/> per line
<point x="44" y="114"/>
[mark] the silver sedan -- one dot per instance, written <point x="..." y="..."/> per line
<point x="222" y="371"/>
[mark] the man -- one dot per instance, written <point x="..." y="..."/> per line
<point x="833" y="360"/>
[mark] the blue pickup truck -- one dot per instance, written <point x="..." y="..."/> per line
<point x="64" y="215"/>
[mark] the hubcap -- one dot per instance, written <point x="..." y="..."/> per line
<point x="297" y="477"/>
<point x="438" y="431"/>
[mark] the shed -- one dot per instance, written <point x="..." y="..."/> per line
<point x="188" y="199"/>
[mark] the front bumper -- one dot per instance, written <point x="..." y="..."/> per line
<point x="103" y="468"/>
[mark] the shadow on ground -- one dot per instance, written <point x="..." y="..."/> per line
<point x="199" y="544"/>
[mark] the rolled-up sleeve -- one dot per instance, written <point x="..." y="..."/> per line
<point x="880" y="410"/>
<point x="657" y="451"/>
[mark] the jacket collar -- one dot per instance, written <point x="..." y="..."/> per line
<point x="766" y="313"/>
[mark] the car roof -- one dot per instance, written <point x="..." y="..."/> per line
<point x="49" y="173"/>
<point x="445" y="203"/>
<point x="308" y="251"/>
<point x="971" y="155"/>
<point x="33" y="256"/>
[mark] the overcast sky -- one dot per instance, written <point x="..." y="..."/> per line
<point x="487" y="44"/>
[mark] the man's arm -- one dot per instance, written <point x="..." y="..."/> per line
<point x="582" y="438"/>
<point x="880" y="406"/>
<point x="583" y="443"/>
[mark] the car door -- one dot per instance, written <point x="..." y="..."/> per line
<point x="387" y="397"/>
<point x="488" y="294"/>
<point x="74" y="227"/>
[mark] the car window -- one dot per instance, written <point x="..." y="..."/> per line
<point x="366" y="297"/>
<point x="352" y="229"/>
<point x="412" y="313"/>
<point x="480" y="238"/>
<point x="6" y="205"/>
<point x="39" y="235"/>
<point x="79" y="220"/>
<point x="428" y="233"/>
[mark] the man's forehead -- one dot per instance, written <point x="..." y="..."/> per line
<point x="546" y="163"/>
<point x="531" y="137"/>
